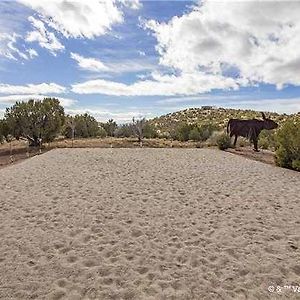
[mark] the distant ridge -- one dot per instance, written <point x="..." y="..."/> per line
<point x="217" y="115"/>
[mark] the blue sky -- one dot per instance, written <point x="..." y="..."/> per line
<point x="124" y="59"/>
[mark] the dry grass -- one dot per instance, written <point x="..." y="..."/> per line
<point x="121" y="143"/>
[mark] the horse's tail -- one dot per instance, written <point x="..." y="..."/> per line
<point x="228" y="126"/>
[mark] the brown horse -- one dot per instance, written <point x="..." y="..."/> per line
<point x="249" y="129"/>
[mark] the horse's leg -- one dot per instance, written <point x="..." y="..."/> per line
<point x="255" y="141"/>
<point x="235" y="140"/>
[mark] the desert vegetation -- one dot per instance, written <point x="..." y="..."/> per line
<point x="288" y="145"/>
<point x="35" y="121"/>
<point x="39" y="122"/>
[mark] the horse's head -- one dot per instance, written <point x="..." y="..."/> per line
<point x="268" y="123"/>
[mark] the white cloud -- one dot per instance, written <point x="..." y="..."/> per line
<point x="32" y="53"/>
<point x="121" y="66"/>
<point x="45" y="38"/>
<point x="209" y="97"/>
<point x="166" y="85"/>
<point x="103" y="115"/>
<point x="250" y="42"/>
<point x="11" y="99"/>
<point x="89" y="64"/>
<point x="8" y="47"/>
<point x="12" y="23"/>
<point x="133" y="4"/>
<point x="131" y="65"/>
<point x="256" y="40"/>
<point x="32" y="89"/>
<point x="280" y="105"/>
<point x="78" y="19"/>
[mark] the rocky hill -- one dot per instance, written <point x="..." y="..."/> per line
<point x="218" y="116"/>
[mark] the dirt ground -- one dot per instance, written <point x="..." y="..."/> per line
<point x="148" y="224"/>
<point x="18" y="150"/>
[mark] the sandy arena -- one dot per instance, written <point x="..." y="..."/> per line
<point x="148" y="224"/>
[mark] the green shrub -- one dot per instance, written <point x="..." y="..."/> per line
<point x="84" y="126"/>
<point x="267" y="140"/>
<point x="288" y="145"/>
<point x="37" y="121"/>
<point x="206" y="130"/>
<point x="223" y="141"/>
<point x="4" y="131"/>
<point x="102" y="132"/>
<point x="195" y="135"/>
<point x="149" y="131"/>
<point x="183" y="131"/>
<point x="110" y="127"/>
<point x="263" y="143"/>
<point x="124" y="130"/>
<point x="296" y="164"/>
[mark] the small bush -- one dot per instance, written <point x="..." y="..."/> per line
<point x="242" y="142"/>
<point x="206" y="130"/>
<point x="124" y="130"/>
<point x="149" y="131"/>
<point x="263" y="143"/>
<point x="296" y="164"/>
<point x="101" y="132"/>
<point x="198" y="133"/>
<point x="288" y="145"/>
<point x="223" y="141"/>
<point x="182" y="132"/>
<point x="267" y="140"/>
<point x="85" y="126"/>
<point x="194" y="135"/>
<point x="212" y="141"/>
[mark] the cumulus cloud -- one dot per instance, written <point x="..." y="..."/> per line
<point x="186" y="84"/>
<point x="32" y="89"/>
<point x="78" y="19"/>
<point x="42" y="36"/>
<point x="251" y="42"/>
<point x="254" y="41"/>
<point x="89" y="64"/>
<point x="11" y="99"/>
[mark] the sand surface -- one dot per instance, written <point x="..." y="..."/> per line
<point x="148" y="224"/>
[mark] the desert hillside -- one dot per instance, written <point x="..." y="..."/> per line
<point x="217" y="116"/>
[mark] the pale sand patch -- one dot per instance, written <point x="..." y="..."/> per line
<point x="147" y="224"/>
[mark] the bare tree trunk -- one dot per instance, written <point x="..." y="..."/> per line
<point x="27" y="149"/>
<point x="138" y="127"/>
<point x="33" y="141"/>
<point x="10" y="151"/>
<point x="72" y="126"/>
<point x="73" y="135"/>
